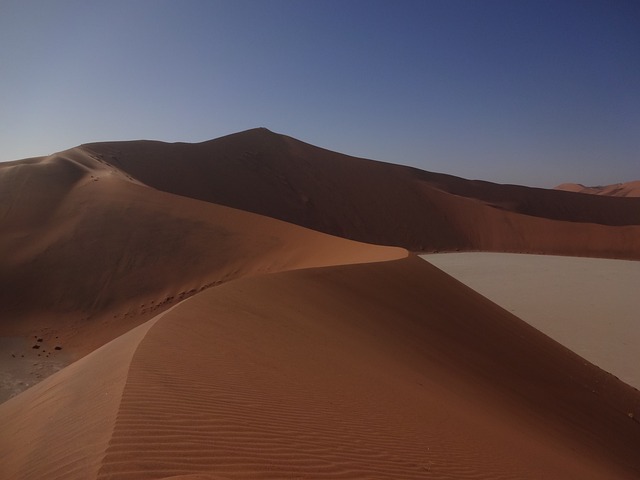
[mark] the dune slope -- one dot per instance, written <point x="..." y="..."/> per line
<point x="377" y="370"/>
<point x="378" y="202"/>
<point x="87" y="253"/>
<point x="61" y="427"/>
<point x="92" y="241"/>
<point x="228" y="344"/>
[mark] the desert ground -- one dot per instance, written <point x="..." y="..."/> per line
<point x="627" y="189"/>
<point x="590" y="305"/>
<point x="253" y="307"/>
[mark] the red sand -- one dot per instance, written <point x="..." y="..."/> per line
<point x="380" y="203"/>
<point x="385" y="370"/>
<point x="290" y="353"/>
<point x="99" y="251"/>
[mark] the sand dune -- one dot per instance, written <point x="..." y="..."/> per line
<point x="628" y="189"/>
<point x="381" y="370"/>
<point x="214" y="340"/>
<point x="378" y="202"/>
<point x="61" y="427"/>
<point x="93" y="254"/>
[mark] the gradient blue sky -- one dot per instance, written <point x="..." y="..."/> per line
<point x="530" y="92"/>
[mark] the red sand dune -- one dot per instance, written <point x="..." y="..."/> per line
<point x="628" y="189"/>
<point x="380" y="370"/>
<point x="381" y="203"/>
<point x="82" y="242"/>
<point x="290" y="353"/>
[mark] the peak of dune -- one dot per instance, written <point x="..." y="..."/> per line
<point x="246" y="307"/>
<point x="376" y="202"/>
<point x="84" y="247"/>
<point x="627" y="189"/>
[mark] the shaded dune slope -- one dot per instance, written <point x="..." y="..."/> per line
<point x="378" y="370"/>
<point x="376" y="202"/>
<point x="85" y="246"/>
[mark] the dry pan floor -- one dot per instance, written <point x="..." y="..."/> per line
<point x="590" y="305"/>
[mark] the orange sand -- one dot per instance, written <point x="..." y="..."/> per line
<point x="213" y="342"/>
<point x="386" y="370"/>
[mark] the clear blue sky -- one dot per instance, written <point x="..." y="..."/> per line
<point x="532" y="92"/>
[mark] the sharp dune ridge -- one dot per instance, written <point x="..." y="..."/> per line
<point x="377" y="202"/>
<point x="91" y="244"/>
<point x="222" y="328"/>
<point x="308" y="375"/>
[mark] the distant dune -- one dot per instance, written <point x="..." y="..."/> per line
<point x="376" y="202"/>
<point x="222" y="328"/>
<point x="628" y="189"/>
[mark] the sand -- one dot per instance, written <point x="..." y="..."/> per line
<point x="589" y="305"/>
<point x="61" y="427"/>
<point x="94" y="253"/>
<point x="376" y="202"/>
<point x="333" y="372"/>
<point x="22" y="366"/>
<point x="213" y="334"/>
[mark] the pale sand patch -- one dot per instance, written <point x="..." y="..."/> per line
<point x="592" y="306"/>
<point x="22" y="366"/>
<point x="61" y="427"/>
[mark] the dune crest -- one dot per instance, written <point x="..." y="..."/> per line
<point x="61" y="427"/>
<point x="94" y="253"/>
<point x="336" y="372"/>
<point x="377" y="202"/>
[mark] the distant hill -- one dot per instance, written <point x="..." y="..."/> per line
<point x="628" y="189"/>
<point x="376" y="202"/>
